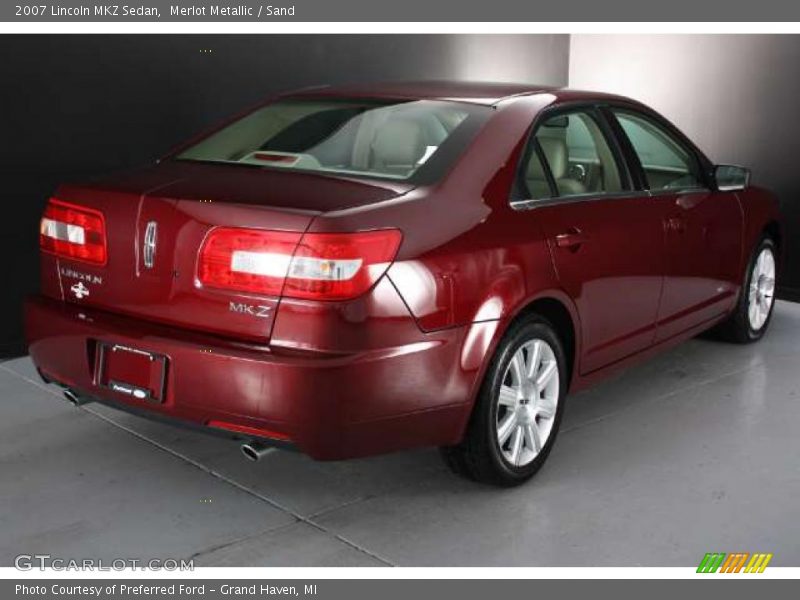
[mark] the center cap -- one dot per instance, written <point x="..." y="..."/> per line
<point x="524" y="415"/>
<point x="529" y="392"/>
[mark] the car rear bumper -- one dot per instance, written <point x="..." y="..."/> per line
<point x="330" y="406"/>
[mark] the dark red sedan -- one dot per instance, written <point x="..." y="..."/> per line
<point x="349" y="271"/>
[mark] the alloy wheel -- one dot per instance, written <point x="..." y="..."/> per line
<point x="527" y="402"/>
<point x="762" y="289"/>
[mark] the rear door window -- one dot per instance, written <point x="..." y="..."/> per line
<point x="571" y="157"/>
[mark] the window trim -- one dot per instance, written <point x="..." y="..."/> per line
<point x="520" y="197"/>
<point x="701" y="162"/>
<point x="543" y="162"/>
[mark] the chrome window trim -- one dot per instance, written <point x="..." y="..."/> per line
<point x="533" y="203"/>
<point x="678" y="191"/>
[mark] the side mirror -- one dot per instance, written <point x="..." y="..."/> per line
<point x="730" y="178"/>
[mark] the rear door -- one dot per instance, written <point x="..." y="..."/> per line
<point x="703" y="227"/>
<point x="606" y="238"/>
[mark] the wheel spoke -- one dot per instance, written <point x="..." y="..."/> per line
<point x="769" y="286"/>
<point x="534" y="358"/>
<point x="546" y="408"/>
<point x="532" y="439"/>
<point x="549" y="369"/>
<point x="508" y="396"/>
<point x="506" y="427"/>
<point x="751" y="312"/>
<point x="770" y="270"/>
<point x="517" y="367"/>
<point x="516" y="445"/>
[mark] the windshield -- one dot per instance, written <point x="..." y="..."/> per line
<point x="397" y="140"/>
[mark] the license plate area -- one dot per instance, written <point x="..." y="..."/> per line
<point x="140" y="374"/>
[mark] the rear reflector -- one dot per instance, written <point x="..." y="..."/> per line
<point x="317" y="266"/>
<point x="74" y="232"/>
<point x="255" y="431"/>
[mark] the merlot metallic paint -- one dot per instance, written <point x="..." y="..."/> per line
<point x="401" y="365"/>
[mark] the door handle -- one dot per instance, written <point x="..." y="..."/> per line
<point x="572" y="239"/>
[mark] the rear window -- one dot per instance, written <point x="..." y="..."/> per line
<point x="407" y="140"/>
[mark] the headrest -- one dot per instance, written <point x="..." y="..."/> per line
<point x="399" y="142"/>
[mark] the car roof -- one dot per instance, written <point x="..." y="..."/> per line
<point x="486" y="93"/>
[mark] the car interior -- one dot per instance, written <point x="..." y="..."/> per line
<point x="578" y="157"/>
<point x="389" y="140"/>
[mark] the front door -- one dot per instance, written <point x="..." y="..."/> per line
<point x="703" y="228"/>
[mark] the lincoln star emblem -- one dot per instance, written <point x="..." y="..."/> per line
<point x="150" y="244"/>
<point x="79" y="290"/>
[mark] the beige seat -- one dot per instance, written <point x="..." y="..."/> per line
<point x="555" y="150"/>
<point x="398" y="146"/>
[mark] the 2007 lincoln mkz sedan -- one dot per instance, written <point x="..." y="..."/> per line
<point x="350" y="271"/>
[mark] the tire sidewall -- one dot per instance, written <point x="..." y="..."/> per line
<point x="530" y="329"/>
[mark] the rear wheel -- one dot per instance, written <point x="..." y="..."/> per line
<point x="518" y="411"/>
<point x="753" y="312"/>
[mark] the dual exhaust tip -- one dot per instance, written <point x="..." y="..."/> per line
<point x="253" y="451"/>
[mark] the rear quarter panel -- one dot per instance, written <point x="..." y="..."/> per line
<point x="463" y="246"/>
<point x="467" y="258"/>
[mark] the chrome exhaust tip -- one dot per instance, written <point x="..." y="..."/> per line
<point x="255" y="451"/>
<point x="74" y="399"/>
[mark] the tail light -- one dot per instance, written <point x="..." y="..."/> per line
<point x="73" y="231"/>
<point x="318" y="266"/>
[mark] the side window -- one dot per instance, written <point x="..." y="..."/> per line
<point x="666" y="163"/>
<point x="575" y="155"/>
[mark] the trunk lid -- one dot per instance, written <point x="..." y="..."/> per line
<point x="156" y="220"/>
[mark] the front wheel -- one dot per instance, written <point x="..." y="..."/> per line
<point x="753" y="312"/>
<point x="518" y="411"/>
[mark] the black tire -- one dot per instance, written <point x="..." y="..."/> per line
<point x="478" y="456"/>
<point x="737" y="327"/>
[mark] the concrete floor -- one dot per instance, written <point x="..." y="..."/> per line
<point x="695" y="451"/>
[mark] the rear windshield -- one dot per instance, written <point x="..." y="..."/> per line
<point x="406" y="140"/>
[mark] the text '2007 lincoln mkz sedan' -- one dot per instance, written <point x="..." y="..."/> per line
<point x="351" y="271"/>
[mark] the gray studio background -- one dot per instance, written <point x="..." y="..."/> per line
<point x="75" y="106"/>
